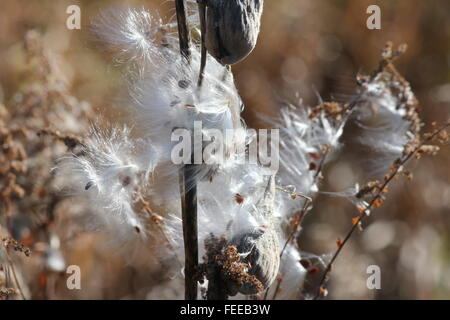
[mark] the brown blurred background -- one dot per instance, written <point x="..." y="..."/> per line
<point x="311" y="48"/>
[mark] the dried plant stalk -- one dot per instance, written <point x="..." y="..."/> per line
<point x="188" y="193"/>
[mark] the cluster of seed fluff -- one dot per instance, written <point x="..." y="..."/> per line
<point x="385" y="115"/>
<point x="113" y="171"/>
<point x="227" y="206"/>
<point x="108" y="171"/>
<point x="304" y="140"/>
<point x="163" y="92"/>
<point x="382" y="121"/>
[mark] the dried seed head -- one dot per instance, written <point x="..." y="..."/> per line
<point x="232" y="28"/>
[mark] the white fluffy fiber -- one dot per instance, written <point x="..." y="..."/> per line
<point x="114" y="170"/>
<point x="109" y="173"/>
<point x="382" y="129"/>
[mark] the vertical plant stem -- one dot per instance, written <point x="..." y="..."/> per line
<point x="183" y="30"/>
<point x="189" y="216"/>
<point x="202" y="14"/>
<point x="188" y="192"/>
<point x="216" y="286"/>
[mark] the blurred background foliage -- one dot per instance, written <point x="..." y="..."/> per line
<point x="310" y="48"/>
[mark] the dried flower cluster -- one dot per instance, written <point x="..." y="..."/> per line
<point x="16" y="246"/>
<point x="233" y="271"/>
<point x="6" y="293"/>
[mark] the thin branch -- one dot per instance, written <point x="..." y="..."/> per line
<point x="277" y="289"/>
<point x="398" y="167"/>
<point x="159" y="224"/>
<point x="297" y="223"/>
<point x="294" y="195"/>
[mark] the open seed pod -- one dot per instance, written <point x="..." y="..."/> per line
<point x="260" y="247"/>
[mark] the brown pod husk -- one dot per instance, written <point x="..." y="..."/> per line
<point x="232" y="28"/>
<point x="263" y="257"/>
<point x="260" y="247"/>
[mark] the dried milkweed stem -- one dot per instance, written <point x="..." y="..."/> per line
<point x="190" y="234"/>
<point x="183" y="30"/>
<point x="204" y="53"/>
<point x="398" y="166"/>
<point x="188" y="193"/>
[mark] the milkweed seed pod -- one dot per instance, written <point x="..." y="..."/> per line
<point x="232" y="28"/>
<point x="260" y="247"/>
